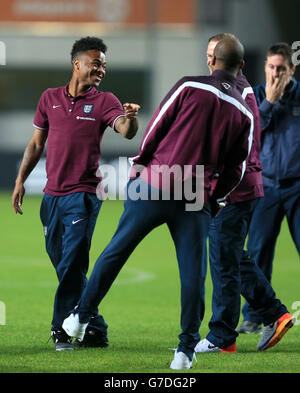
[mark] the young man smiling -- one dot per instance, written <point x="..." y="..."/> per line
<point x="73" y="119"/>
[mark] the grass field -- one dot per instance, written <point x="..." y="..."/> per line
<point x="142" y="308"/>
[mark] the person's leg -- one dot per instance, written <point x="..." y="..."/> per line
<point x="189" y="231"/>
<point x="78" y="215"/>
<point x="234" y="222"/>
<point x="138" y="219"/>
<point x="96" y="333"/>
<point x="53" y="228"/>
<point x="227" y="236"/>
<point x="291" y="202"/>
<point x="263" y="232"/>
<point x="276" y="327"/>
<point x="258" y="292"/>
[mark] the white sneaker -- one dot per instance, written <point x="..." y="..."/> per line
<point x="206" y="346"/>
<point x="73" y="327"/>
<point x="181" y="361"/>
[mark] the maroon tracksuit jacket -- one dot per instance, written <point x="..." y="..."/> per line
<point x="205" y="121"/>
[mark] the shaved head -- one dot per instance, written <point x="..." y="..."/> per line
<point x="229" y="55"/>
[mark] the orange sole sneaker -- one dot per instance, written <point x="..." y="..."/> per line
<point x="230" y="349"/>
<point x="283" y="324"/>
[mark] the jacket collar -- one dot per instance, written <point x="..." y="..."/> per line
<point x="224" y="75"/>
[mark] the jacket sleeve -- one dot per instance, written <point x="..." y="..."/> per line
<point x="265" y="107"/>
<point x="235" y="162"/>
<point x="265" y="111"/>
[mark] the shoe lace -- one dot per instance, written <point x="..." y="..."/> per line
<point x="51" y="336"/>
<point x="194" y="357"/>
<point x="56" y="335"/>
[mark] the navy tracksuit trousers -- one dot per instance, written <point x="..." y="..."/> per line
<point x="69" y="223"/>
<point x="233" y="273"/>
<point x="265" y="228"/>
<point x="189" y="230"/>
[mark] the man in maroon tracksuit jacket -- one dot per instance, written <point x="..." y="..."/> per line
<point x="233" y="272"/>
<point x="203" y="121"/>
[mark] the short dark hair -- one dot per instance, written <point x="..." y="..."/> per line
<point x="85" y="44"/>
<point x="283" y="49"/>
<point x="221" y="36"/>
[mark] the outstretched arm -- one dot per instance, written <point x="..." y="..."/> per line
<point x="128" y="125"/>
<point x="31" y="157"/>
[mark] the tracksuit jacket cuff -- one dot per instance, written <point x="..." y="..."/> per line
<point x="265" y="106"/>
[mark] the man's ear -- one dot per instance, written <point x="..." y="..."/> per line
<point x="76" y="64"/>
<point x="242" y="64"/>
<point x="213" y="60"/>
<point x="293" y="69"/>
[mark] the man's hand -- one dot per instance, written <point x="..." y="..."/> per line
<point x="131" y="110"/>
<point x="275" y="87"/>
<point x="128" y="125"/>
<point x="17" y="197"/>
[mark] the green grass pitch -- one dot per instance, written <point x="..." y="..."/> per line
<point x="142" y="307"/>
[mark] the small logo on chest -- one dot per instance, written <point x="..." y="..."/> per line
<point x="87" y="109"/>
<point x="226" y="85"/>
